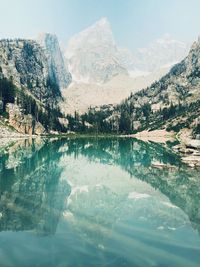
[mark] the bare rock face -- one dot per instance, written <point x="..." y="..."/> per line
<point x="64" y="122"/>
<point x="57" y="68"/>
<point x="93" y="56"/>
<point x="26" y="64"/>
<point x="24" y="124"/>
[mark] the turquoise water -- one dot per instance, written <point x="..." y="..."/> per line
<point x="97" y="202"/>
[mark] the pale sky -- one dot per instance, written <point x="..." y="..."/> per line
<point x="134" y="22"/>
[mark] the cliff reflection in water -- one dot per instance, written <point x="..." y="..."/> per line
<point x="31" y="196"/>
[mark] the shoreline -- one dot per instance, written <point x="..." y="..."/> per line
<point x="158" y="136"/>
<point x="188" y="149"/>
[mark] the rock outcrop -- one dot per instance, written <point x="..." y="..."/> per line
<point x="25" y="124"/>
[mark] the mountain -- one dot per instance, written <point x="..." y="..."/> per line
<point x="161" y="52"/>
<point x="93" y="54"/>
<point x="91" y="51"/>
<point x="126" y="59"/>
<point x="95" y="82"/>
<point x="105" y="74"/>
<point x="28" y="93"/>
<point x="172" y="103"/>
<point x="57" y="67"/>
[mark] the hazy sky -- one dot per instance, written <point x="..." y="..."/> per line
<point x="134" y="22"/>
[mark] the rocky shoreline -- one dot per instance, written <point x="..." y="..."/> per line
<point x="188" y="148"/>
<point x="190" y="152"/>
<point x="160" y="136"/>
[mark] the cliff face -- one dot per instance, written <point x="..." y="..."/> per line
<point x="57" y="68"/>
<point x="24" y="62"/>
<point x="25" y="75"/>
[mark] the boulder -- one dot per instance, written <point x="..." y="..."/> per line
<point x="193" y="143"/>
<point x="39" y="129"/>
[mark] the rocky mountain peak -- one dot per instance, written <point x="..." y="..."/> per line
<point x="93" y="55"/>
<point x="103" y="22"/>
<point x="167" y="39"/>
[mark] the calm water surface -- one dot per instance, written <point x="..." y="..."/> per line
<point x="97" y="202"/>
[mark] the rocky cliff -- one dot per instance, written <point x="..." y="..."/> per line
<point x="57" y="68"/>
<point x="26" y="80"/>
<point x="24" y="62"/>
<point x="23" y="123"/>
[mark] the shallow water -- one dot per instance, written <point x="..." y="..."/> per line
<point x="97" y="202"/>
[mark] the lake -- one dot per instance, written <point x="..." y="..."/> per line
<point x="97" y="202"/>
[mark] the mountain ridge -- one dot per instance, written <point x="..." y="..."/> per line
<point x="171" y="103"/>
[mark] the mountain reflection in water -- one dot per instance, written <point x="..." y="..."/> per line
<point x="97" y="202"/>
